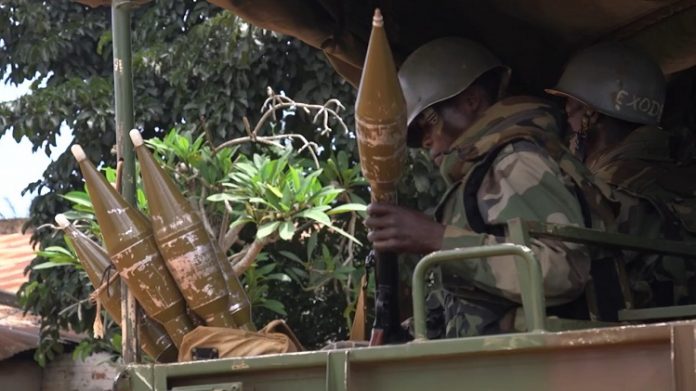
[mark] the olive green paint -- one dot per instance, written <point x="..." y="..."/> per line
<point x="189" y="252"/>
<point x="532" y="299"/>
<point x="94" y="259"/>
<point x="380" y="118"/>
<point x="129" y="241"/>
<point x="629" y="357"/>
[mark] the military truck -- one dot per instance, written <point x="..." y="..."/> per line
<point x="646" y="349"/>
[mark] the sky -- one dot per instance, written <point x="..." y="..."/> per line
<point x="18" y="166"/>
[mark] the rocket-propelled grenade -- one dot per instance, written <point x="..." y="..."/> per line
<point x="94" y="259"/>
<point x="129" y="242"/>
<point x="380" y="118"/>
<point x="212" y="291"/>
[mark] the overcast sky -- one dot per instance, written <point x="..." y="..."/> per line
<point x="18" y="166"/>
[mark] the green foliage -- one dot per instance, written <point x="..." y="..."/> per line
<point x="197" y="70"/>
<point x="285" y="201"/>
<point x="257" y="281"/>
<point x="279" y="196"/>
<point x="286" y="189"/>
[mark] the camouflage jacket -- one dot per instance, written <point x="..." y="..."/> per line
<point x="530" y="176"/>
<point x="657" y="201"/>
<point x="638" y="163"/>
<point x="641" y="167"/>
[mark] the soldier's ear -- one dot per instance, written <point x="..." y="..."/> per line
<point x="472" y="100"/>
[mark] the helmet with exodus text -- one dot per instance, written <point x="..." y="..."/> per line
<point x="616" y="80"/>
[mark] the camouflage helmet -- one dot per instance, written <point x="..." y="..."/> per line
<point x="617" y="81"/>
<point x="440" y="70"/>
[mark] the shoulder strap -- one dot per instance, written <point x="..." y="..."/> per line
<point x="473" y="183"/>
<point x="473" y="214"/>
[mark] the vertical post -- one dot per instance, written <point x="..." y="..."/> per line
<point x="517" y="232"/>
<point x="123" y="105"/>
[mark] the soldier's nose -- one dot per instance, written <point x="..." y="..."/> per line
<point x="427" y="140"/>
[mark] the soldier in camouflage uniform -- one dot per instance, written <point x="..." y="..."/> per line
<point x="501" y="160"/>
<point x="614" y="99"/>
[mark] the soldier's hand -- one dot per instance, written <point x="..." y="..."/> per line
<point x="402" y="230"/>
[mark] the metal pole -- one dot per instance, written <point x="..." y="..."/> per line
<point x="532" y="299"/>
<point x="123" y="104"/>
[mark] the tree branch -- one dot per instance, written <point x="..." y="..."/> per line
<point x="250" y="256"/>
<point x="204" y="216"/>
<point x="276" y="102"/>
<point x="208" y="134"/>
<point x="270" y="140"/>
<point x="231" y="237"/>
<point x="223" y="228"/>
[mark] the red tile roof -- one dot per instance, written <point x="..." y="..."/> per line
<point x="18" y="332"/>
<point x="15" y="255"/>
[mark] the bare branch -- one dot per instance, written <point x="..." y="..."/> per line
<point x="351" y="244"/>
<point x="48" y="225"/>
<point x="77" y="304"/>
<point x="242" y="140"/>
<point x="236" y="257"/>
<point x="270" y="140"/>
<point x="250" y="256"/>
<point x="247" y="127"/>
<point x="276" y="102"/>
<point x="325" y="111"/>
<point x="270" y="112"/>
<point x="231" y="237"/>
<point x="223" y="227"/>
<point x="204" y="216"/>
<point x="208" y="134"/>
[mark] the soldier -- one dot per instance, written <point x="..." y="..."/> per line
<point x="495" y="154"/>
<point x="614" y="100"/>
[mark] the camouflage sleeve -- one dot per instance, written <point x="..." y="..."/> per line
<point x="524" y="182"/>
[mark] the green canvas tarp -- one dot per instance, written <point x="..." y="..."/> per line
<point x="535" y="37"/>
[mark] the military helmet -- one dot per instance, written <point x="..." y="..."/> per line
<point x="615" y="80"/>
<point x="440" y="70"/>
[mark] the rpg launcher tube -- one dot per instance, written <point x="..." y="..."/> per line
<point x="129" y="242"/>
<point x="380" y="117"/>
<point x="94" y="259"/>
<point x="192" y="257"/>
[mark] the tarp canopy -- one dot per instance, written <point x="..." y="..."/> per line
<point x="534" y="37"/>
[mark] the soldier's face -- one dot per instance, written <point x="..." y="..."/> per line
<point x="443" y="123"/>
<point x="574" y="110"/>
<point x="435" y="137"/>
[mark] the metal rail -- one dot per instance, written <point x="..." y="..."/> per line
<point x="609" y="239"/>
<point x="532" y="299"/>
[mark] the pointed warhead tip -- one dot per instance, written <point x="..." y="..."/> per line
<point x="136" y="137"/>
<point x="377" y="19"/>
<point x="62" y="221"/>
<point x="78" y="152"/>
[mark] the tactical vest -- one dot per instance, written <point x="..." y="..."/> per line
<point x="475" y="157"/>
<point x="471" y="157"/>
